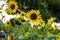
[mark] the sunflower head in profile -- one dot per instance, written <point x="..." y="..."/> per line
<point x="33" y="17"/>
<point x="8" y="37"/>
<point x="8" y="23"/>
<point x="22" y="14"/>
<point x="42" y="22"/>
<point x="12" y="6"/>
<point x="55" y="27"/>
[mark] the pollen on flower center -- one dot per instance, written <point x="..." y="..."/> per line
<point x="33" y="16"/>
<point x="12" y="6"/>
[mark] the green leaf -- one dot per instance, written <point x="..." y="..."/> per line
<point x="21" y="37"/>
<point x="46" y="39"/>
<point x="50" y="36"/>
<point x="1" y="23"/>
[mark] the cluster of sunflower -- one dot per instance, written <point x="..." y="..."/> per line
<point x="28" y="25"/>
<point x="33" y="16"/>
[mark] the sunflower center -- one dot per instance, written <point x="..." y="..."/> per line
<point x="33" y="16"/>
<point x="7" y="22"/>
<point x="12" y="6"/>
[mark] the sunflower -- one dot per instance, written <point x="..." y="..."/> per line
<point x="33" y="17"/>
<point x="8" y="38"/>
<point x="42" y="22"/>
<point x="55" y="27"/>
<point x="50" y="21"/>
<point x="8" y="23"/>
<point x="27" y="34"/>
<point x="22" y="14"/>
<point x="58" y="37"/>
<point x="12" y="6"/>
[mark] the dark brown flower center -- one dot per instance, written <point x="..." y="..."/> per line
<point x="57" y="37"/>
<point x="33" y="16"/>
<point x="12" y="6"/>
<point x="7" y="22"/>
<point x="22" y="14"/>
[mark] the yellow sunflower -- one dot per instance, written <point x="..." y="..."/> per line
<point x="42" y="22"/>
<point x="55" y="27"/>
<point x="12" y="6"/>
<point x="27" y="34"/>
<point x="8" y="23"/>
<point x="33" y="17"/>
<point x="50" y="21"/>
<point x="58" y="37"/>
<point x="22" y="14"/>
<point x="8" y="37"/>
